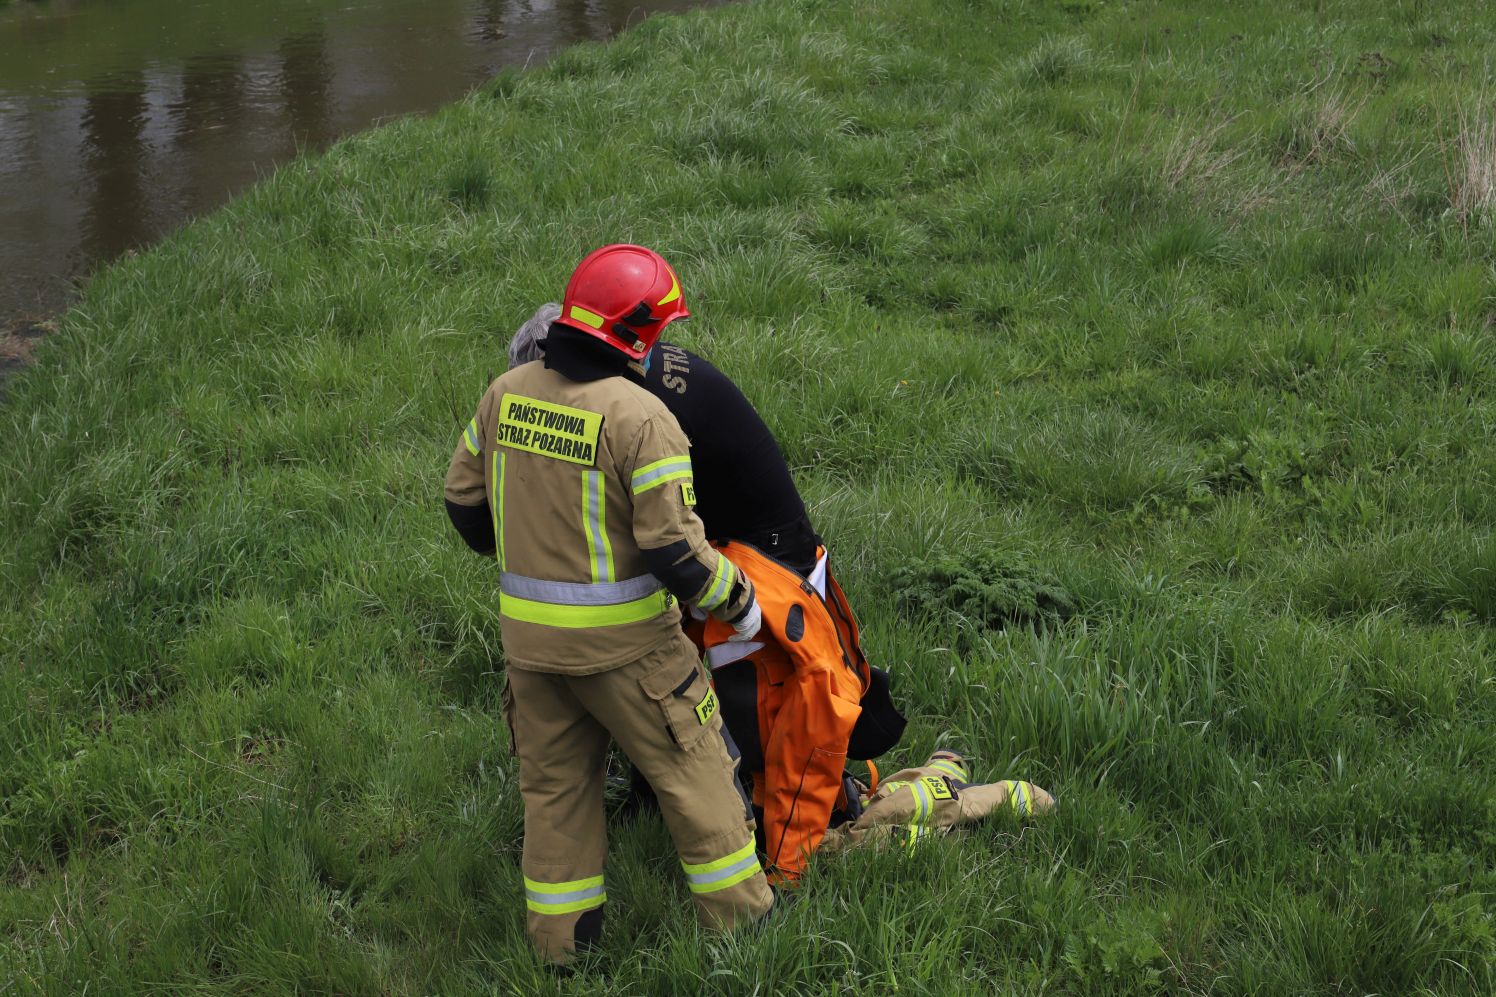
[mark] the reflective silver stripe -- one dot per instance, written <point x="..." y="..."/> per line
<point x="726" y="654"/>
<point x="498" y="505"/>
<point x="950" y="768"/>
<point x="676" y="466"/>
<point x="922" y="802"/>
<point x="551" y="899"/>
<point x="1020" y="798"/>
<point x="721" y="586"/>
<point x="698" y="879"/>
<point x="578" y="593"/>
<point x="601" y="554"/>
<point x="921" y="815"/>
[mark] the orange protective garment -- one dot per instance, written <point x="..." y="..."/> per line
<point x="811" y="676"/>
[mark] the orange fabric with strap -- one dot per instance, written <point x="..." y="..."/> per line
<point x="809" y="694"/>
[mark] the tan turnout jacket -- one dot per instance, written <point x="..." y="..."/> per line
<point x="581" y="478"/>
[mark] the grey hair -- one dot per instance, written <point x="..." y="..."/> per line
<point x="525" y="346"/>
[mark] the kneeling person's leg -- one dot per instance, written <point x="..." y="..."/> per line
<point x="664" y="714"/>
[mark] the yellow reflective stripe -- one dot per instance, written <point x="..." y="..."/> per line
<point x="470" y="437"/>
<point x="720" y="587"/>
<point x="722" y="863"/>
<point x="662" y="479"/>
<point x="656" y="474"/>
<point x="640" y="472"/>
<point x="586" y="317"/>
<point x="921" y="816"/>
<point x="564" y="898"/>
<point x="950" y="768"/>
<point x="922" y="802"/>
<point x="581" y="617"/>
<point x="567" y="887"/>
<point x="1019" y="798"/>
<point x="730" y="870"/>
<point x="609" y="572"/>
<point x="750" y="869"/>
<point x="595" y="522"/>
<point x="498" y="506"/>
<point x="570" y="907"/>
<point x="674" y="292"/>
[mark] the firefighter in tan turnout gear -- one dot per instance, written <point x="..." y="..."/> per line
<point x="929" y="799"/>
<point x="579" y="481"/>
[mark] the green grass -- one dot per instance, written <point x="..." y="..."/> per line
<point x="1185" y="309"/>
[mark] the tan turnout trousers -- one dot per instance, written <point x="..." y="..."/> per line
<point x="663" y="713"/>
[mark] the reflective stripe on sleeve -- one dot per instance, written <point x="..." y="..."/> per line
<point x="720" y="587"/>
<point x="470" y="437"/>
<point x="947" y="767"/>
<point x="564" y="898"/>
<point x="730" y="870"/>
<point x="595" y="520"/>
<point x="1019" y="797"/>
<point x="918" y="821"/>
<point x="656" y="474"/>
<point x="922" y="802"/>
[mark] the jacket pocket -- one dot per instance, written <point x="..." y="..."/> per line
<point x="688" y="703"/>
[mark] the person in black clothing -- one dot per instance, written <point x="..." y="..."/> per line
<point x="744" y="491"/>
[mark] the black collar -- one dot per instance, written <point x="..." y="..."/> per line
<point x="580" y="357"/>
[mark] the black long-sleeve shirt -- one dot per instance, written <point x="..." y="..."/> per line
<point x="744" y="490"/>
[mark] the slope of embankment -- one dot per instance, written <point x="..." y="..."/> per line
<point x="1136" y="359"/>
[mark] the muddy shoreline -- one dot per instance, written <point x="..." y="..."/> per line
<point x="18" y="342"/>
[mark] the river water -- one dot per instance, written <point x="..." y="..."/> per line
<point x="120" y="119"/>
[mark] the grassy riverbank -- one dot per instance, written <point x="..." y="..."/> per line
<point x="1189" y="308"/>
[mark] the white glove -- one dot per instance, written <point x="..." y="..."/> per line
<point x="747" y="625"/>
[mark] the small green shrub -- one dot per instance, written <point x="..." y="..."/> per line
<point x="986" y="589"/>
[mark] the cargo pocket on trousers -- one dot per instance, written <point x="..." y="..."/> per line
<point x="508" y="709"/>
<point x="688" y="703"/>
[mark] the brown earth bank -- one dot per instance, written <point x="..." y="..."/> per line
<point x="18" y="341"/>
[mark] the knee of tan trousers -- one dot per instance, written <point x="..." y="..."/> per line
<point x="663" y="713"/>
<point x="561" y="749"/>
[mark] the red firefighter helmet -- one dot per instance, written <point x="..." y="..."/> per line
<point x="624" y="295"/>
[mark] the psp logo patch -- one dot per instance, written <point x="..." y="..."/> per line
<point x="707" y="708"/>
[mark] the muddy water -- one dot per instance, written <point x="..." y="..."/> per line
<point x="120" y="119"/>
